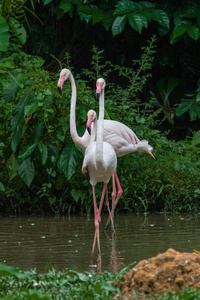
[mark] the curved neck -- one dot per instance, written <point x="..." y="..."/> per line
<point x="99" y="144"/>
<point x="73" y="130"/>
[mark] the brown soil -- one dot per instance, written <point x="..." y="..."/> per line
<point x="169" y="270"/>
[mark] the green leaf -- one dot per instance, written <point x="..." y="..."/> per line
<point x="161" y="17"/>
<point x="66" y="5"/>
<point x="68" y="160"/>
<point x="180" y="28"/>
<point x="12" y="166"/>
<point x="118" y="25"/>
<point x="171" y="84"/>
<point x="198" y="97"/>
<point x="11" y="271"/>
<point x="97" y="16"/>
<point x="17" y="121"/>
<point x="26" y="151"/>
<point x="2" y="187"/>
<point x="193" y="32"/>
<point x="125" y="7"/>
<point x="138" y="21"/>
<point x="26" y="171"/>
<point x="108" y="19"/>
<point x="31" y="108"/>
<point x="45" y="2"/>
<point x="10" y="94"/>
<point x="44" y="152"/>
<point x="18" y="30"/>
<point x="4" y="35"/>
<point x="196" y="139"/>
<point x="183" y="107"/>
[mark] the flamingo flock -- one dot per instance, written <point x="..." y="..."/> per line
<point x="103" y="141"/>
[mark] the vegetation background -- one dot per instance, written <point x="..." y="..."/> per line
<point x="148" y="53"/>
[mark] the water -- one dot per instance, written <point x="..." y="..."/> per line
<point x="66" y="242"/>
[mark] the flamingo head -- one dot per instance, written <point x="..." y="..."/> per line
<point x="64" y="74"/>
<point x="91" y="116"/>
<point x="100" y="86"/>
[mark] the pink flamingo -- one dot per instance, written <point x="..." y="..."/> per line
<point x="120" y="136"/>
<point x="100" y="161"/>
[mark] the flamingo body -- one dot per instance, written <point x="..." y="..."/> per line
<point x="109" y="164"/>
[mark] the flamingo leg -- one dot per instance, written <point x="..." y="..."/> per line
<point x="115" y="200"/>
<point x="110" y="216"/>
<point x="97" y="218"/>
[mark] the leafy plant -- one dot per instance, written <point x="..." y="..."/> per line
<point x="165" y="88"/>
<point x="190" y="104"/>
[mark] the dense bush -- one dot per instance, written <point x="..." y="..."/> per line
<point x="40" y="165"/>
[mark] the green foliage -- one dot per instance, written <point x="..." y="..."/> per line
<point x="40" y="165"/>
<point x="165" y="89"/>
<point x="4" y="35"/>
<point x="191" y="104"/>
<point x="16" y="284"/>
<point x="68" y="284"/>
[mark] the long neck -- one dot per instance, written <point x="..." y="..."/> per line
<point x="99" y="144"/>
<point x="73" y="130"/>
<point x="94" y="131"/>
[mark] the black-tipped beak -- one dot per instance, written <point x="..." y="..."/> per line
<point x="60" y="90"/>
<point x="97" y="96"/>
<point x="89" y="130"/>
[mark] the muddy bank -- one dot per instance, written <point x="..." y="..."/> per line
<point x="168" y="270"/>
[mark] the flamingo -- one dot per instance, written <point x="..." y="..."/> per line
<point x="100" y="161"/>
<point x="83" y="141"/>
<point x="120" y="136"/>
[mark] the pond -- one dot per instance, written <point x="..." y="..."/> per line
<point x="66" y="242"/>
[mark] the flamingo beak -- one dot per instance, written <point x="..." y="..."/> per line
<point x="98" y="90"/>
<point x="148" y="151"/>
<point x="97" y="96"/>
<point x="60" y="84"/>
<point x="89" y="124"/>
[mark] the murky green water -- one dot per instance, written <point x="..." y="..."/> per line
<point x="66" y="242"/>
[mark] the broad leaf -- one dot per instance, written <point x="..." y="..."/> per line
<point x="193" y="32"/>
<point x="2" y="187"/>
<point x="97" y="16"/>
<point x="183" y="107"/>
<point x="26" y="151"/>
<point x="196" y="138"/>
<point x="18" y="30"/>
<point x="125" y="7"/>
<point x="108" y="19"/>
<point x="180" y="28"/>
<point x="4" y="35"/>
<point x="26" y="171"/>
<point x="138" y="21"/>
<point x="12" y="166"/>
<point x="44" y="152"/>
<point x="68" y="160"/>
<point x="30" y="108"/>
<point x="11" y="271"/>
<point x="118" y="25"/>
<point x="10" y="94"/>
<point x="66" y="5"/>
<point x="171" y="84"/>
<point x="161" y="17"/>
<point x="38" y="131"/>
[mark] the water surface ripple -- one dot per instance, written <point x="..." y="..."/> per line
<point x="66" y="242"/>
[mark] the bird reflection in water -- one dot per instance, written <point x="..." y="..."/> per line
<point x="116" y="261"/>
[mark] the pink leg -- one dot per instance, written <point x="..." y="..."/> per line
<point x="97" y="218"/>
<point x="119" y="193"/>
<point x="110" y="216"/>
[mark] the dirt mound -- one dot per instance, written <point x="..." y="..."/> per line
<point x="169" y="270"/>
